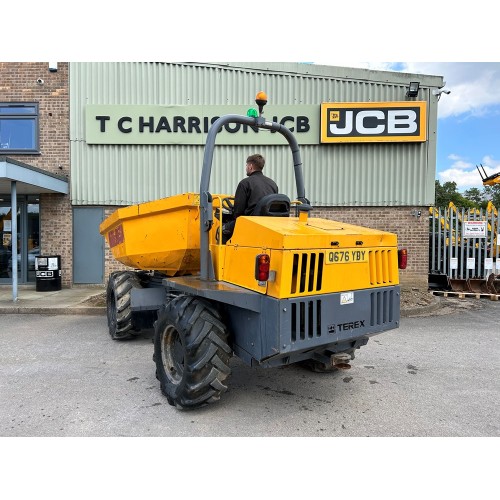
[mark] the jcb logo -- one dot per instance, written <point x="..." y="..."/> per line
<point x="334" y="116"/>
<point x="373" y="122"/>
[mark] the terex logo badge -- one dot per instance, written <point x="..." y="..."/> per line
<point x="373" y="121"/>
<point x="344" y="327"/>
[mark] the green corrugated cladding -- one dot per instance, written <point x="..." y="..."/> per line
<point x="386" y="174"/>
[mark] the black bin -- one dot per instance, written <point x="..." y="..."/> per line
<point x="48" y="273"/>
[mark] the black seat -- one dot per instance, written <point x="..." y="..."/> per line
<point x="273" y="205"/>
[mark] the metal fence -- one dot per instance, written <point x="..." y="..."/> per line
<point x="464" y="243"/>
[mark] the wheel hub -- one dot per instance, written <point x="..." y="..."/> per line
<point x="172" y="354"/>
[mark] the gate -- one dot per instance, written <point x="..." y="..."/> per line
<point x="464" y="249"/>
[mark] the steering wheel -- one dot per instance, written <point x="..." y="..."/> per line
<point x="228" y="204"/>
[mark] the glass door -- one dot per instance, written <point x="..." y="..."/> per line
<point x="28" y="226"/>
<point x="6" y="236"/>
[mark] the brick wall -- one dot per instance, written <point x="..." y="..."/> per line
<point x="56" y="232"/>
<point x="18" y="83"/>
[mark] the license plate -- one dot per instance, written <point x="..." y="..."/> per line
<point x="346" y="256"/>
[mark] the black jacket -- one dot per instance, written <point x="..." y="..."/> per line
<point x="250" y="190"/>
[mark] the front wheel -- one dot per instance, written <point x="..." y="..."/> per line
<point x="191" y="352"/>
<point x="118" y="305"/>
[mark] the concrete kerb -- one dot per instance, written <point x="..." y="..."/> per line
<point x="55" y="311"/>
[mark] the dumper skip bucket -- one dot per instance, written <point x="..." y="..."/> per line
<point x="163" y="235"/>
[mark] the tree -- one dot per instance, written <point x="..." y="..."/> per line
<point x="477" y="197"/>
<point x="448" y="192"/>
<point x="471" y="198"/>
<point x="493" y="193"/>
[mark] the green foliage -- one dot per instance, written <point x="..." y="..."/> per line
<point x="471" y="198"/>
<point x="493" y="193"/>
<point x="448" y="192"/>
<point x="476" y="196"/>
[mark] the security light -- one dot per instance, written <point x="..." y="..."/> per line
<point x="413" y="89"/>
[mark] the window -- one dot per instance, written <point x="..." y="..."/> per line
<point x="19" y="128"/>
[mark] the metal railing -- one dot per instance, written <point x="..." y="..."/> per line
<point x="464" y="243"/>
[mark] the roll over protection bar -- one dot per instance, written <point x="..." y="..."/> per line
<point x="206" y="219"/>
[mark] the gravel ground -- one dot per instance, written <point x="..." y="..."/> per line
<point x="412" y="298"/>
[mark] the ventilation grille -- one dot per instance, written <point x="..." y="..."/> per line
<point x="307" y="272"/>
<point x="380" y="267"/>
<point x="382" y="309"/>
<point x="306" y="319"/>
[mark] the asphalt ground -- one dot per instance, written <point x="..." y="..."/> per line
<point x="430" y="390"/>
<point x="62" y="375"/>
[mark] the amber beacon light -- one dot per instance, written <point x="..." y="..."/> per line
<point x="261" y="100"/>
<point x="262" y="97"/>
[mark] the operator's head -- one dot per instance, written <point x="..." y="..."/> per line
<point x="255" y="163"/>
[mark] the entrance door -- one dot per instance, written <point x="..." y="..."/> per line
<point x="88" y="246"/>
<point x="28" y="223"/>
<point x="6" y="242"/>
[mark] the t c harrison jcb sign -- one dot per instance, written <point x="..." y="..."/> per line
<point x="373" y="121"/>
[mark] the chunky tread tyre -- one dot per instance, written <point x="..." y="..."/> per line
<point x="191" y="352"/>
<point x="120" y="284"/>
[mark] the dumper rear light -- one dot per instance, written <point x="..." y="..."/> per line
<point x="262" y="264"/>
<point x="402" y="258"/>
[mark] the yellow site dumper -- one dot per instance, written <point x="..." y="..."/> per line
<point x="284" y="288"/>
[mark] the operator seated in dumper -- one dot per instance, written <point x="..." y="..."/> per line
<point x="256" y="195"/>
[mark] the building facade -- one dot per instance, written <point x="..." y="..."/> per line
<point x="125" y="133"/>
<point x="35" y="165"/>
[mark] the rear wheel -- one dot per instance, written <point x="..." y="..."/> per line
<point x="120" y="284"/>
<point x="191" y="353"/>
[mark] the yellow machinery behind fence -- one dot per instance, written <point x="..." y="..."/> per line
<point x="488" y="180"/>
<point x="463" y="249"/>
<point x="286" y="288"/>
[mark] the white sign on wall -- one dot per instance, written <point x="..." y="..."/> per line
<point x="474" y="229"/>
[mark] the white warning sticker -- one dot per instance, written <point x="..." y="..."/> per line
<point x="346" y="298"/>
